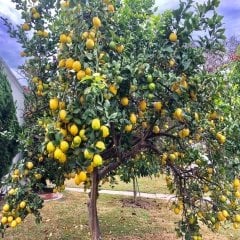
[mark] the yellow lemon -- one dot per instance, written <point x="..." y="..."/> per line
<point x="210" y="170"/>
<point x="16" y="171"/>
<point x="206" y="188"/>
<point x="61" y="63"/>
<point x="87" y="154"/>
<point x="196" y="117"/>
<point x="81" y="74"/>
<point x="221" y="138"/>
<point x="69" y="39"/>
<point x="64" y="146"/>
<point x="96" y="22"/>
<point x="124" y="101"/>
<point x="178" y="114"/>
<point x="172" y="62"/>
<point x="53" y="104"/>
<point x="90" y="169"/>
<point x="164" y="157"/>
<point x="157" y="106"/>
<point x="100" y="145"/>
<point x="65" y="4"/>
<point x="11" y="191"/>
<point x="133" y="118"/>
<point x="45" y="34"/>
<point x="156" y="129"/>
<point x="184" y="84"/>
<point x="36" y="15"/>
<point x="77" y="179"/>
<point x="63" y="38"/>
<point x="236" y="225"/>
<point x="50" y="147"/>
<point x="69" y="63"/>
<point x="111" y="8"/>
<point x="22" y="204"/>
<point x="173" y="37"/>
<point x="26" y="27"/>
<point x="144" y="124"/>
<point x="39" y="33"/>
<point x="82" y="176"/>
<point x="18" y="220"/>
<point x="113" y="89"/>
<point x="225" y="213"/>
<point x="128" y="128"/>
<point x="63" y="115"/>
<point x="223" y="198"/>
<point x="177" y="210"/>
<point x="4" y="220"/>
<point x="172" y="157"/>
<point x="236" y="183"/>
<point x="97" y="160"/>
<point x="38" y="176"/>
<point x="33" y="10"/>
<point x="58" y="153"/>
<point x="76" y="66"/>
<point x="73" y="130"/>
<point x="10" y="219"/>
<point x="82" y="134"/>
<point x="237" y="218"/>
<point x="142" y="105"/>
<point x="213" y="116"/>
<point x="88" y="71"/>
<point x="6" y="207"/>
<point x="90" y="44"/>
<point x="184" y="133"/>
<point x="105" y="131"/>
<point x="77" y="140"/>
<point x="96" y="124"/>
<point x="92" y="34"/>
<point x="120" y="48"/>
<point x="29" y="165"/>
<point x="85" y="35"/>
<point x="62" y="158"/>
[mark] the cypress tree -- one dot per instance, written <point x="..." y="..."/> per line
<point x="8" y="125"/>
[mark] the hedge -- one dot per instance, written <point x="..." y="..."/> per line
<point x="8" y="125"/>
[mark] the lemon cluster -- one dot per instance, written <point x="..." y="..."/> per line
<point x="73" y="136"/>
<point x="10" y="216"/>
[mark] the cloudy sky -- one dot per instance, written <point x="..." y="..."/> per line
<point x="10" y="49"/>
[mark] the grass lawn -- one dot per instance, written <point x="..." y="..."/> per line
<point x="146" y="184"/>
<point x="66" y="219"/>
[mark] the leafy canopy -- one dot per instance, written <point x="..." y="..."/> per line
<point x="120" y="81"/>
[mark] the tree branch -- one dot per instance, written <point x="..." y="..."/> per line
<point x="122" y="158"/>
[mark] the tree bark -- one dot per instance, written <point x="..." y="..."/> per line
<point x="92" y="208"/>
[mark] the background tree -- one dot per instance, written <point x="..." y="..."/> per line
<point x="140" y="166"/>
<point x="8" y="125"/>
<point x="121" y="81"/>
<point x="214" y="61"/>
<point x="39" y="66"/>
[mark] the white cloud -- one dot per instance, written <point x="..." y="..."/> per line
<point x="228" y="4"/>
<point x="7" y="9"/>
<point x="166" y="4"/>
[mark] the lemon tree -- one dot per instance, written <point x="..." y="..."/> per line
<point x="116" y="80"/>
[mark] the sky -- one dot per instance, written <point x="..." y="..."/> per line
<point x="10" y="49"/>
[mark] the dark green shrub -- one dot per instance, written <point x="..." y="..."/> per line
<point x="8" y="125"/>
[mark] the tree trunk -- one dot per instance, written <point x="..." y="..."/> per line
<point x="134" y="190"/>
<point x="92" y="208"/>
